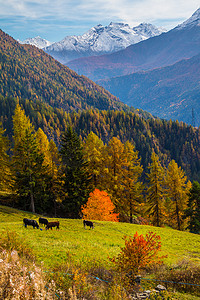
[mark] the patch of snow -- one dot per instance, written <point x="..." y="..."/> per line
<point x="37" y="41"/>
<point x="194" y="20"/>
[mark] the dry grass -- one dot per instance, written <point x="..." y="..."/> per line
<point x="22" y="279"/>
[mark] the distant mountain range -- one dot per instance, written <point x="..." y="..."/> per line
<point x="171" y="92"/>
<point x="160" y="75"/>
<point x="179" y="43"/>
<point x="97" y="41"/>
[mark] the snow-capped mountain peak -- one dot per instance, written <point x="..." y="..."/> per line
<point x="37" y="41"/>
<point x="148" y="30"/>
<point x="101" y="40"/>
<point x="194" y="20"/>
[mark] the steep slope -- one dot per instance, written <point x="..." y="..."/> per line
<point x="165" y="49"/>
<point x="101" y="40"/>
<point x="171" y="92"/>
<point x="28" y="72"/>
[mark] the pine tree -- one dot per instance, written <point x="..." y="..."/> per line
<point x="30" y="173"/>
<point x="155" y="191"/>
<point x="177" y="190"/>
<point x="21" y="123"/>
<point x="114" y="164"/>
<point x="6" y="180"/>
<point x="28" y="165"/>
<point x="52" y="163"/>
<point x="131" y="183"/>
<point x="193" y="210"/>
<point x="56" y="174"/>
<point x="93" y="149"/>
<point x="77" y="180"/>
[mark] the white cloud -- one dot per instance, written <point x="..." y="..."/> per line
<point x="87" y="13"/>
<point x="127" y="10"/>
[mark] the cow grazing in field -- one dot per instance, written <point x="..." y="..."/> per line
<point x="53" y="224"/>
<point x="88" y="223"/>
<point x="30" y="222"/>
<point x="43" y="221"/>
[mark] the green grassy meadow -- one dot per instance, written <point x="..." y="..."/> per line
<point x="83" y="246"/>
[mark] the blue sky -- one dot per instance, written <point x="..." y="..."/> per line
<point x="53" y="20"/>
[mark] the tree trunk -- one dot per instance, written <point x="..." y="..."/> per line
<point x="32" y="203"/>
<point x="177" y="214"/>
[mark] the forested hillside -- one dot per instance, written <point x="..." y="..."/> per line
<point x="171" y="92"/>
<point x="170" y="140"/>
<point x="28" y="72"/>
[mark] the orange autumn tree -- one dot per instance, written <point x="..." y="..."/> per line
<point x="138" y="253"/>
<point x="99" y="207"/>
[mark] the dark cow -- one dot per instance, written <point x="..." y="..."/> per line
<point x="53" y="224"/>
<point x="88" y="223"/>
<point x="30" y="222"/>
<point x="43" y="221"/>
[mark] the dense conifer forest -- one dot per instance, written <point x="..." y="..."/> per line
<point x="63" y="137"/>
<point x="169" y="139"/>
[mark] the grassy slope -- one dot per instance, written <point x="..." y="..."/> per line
<point x="85" y="245"/>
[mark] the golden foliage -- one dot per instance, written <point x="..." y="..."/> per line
<point x="99" y="207"/>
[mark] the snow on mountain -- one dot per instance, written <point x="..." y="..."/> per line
<point x="101" y="40"/>
<point x="110" y="38"/>
<point x="194" y="20"/>
<point x="165" y="49"/>
<point x="37" y="41"/>
<point x="148" y="30"/>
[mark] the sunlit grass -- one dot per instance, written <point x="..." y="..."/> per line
<point x="83" y="246"/>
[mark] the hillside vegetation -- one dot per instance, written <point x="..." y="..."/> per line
<point x="176" y="85"/>
<point x="170" y="140"/>
<point x="28" y="72"/>
<point x="74" y="248"/>
<point x="85" y="246"/>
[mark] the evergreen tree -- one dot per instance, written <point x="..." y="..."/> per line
<point x="193" y="210"/>
<point x="132" y="186"/>
<point x="30" y="173"/>
<point x="6" y="180"/>
<point x="114" y="166"/>
<point x="155" y="191"/>
<point x="21" y="123"/>
<point x="77" y="179"/>
<point x="56" y="173"/>
<point x="93" y="149"/>
<point x="52" y="163"/>
<point x="177" y="190"/>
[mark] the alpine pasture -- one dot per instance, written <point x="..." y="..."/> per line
<point x="85" y="246"/>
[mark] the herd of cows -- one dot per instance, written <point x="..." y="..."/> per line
<point x="48" y="224"/>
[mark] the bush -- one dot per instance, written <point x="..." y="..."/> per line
<point x="138" y="253"/>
